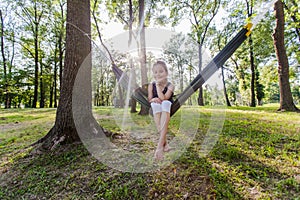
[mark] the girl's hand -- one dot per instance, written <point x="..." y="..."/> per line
<point x="161" y="82"/>
<point x="155" y="100"/>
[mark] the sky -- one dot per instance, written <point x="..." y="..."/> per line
<point x="114" y="28"/>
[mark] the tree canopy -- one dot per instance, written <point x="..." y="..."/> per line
<point x="33" y="46"/>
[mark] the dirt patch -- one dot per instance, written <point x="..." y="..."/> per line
<point x="97" y="116"/>
<point x="12" y="126"/>
<point x="19" y="125"/>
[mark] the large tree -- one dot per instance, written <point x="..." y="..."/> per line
<point x="78" y="48"/>
<point x="286" y="98"/>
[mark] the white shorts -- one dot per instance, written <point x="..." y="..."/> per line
<point x="165" y="106"/>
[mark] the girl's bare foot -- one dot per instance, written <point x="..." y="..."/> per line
<point x="159" y="154"/>
<point x="167" y="148"/>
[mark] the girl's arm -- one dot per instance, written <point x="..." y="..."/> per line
<point x="167" y="95"/>
<point x="150" y="94"/>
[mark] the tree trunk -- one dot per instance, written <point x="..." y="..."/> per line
<point x="7" y="103"/>
<point x="55" y="82"/>
<point x="77" y="61"/>
<point x="200" y="95"/>
<point x="286" y="98"/>
<point x="142" y="50"/>
<point x="42" y="91"/>
<point x="249" y="5"/>
<point x="36" y="59"/>
<point x="61" y="53"/>
<point x="51" y="93"/>
<point x="133" y="102"/>
<point x="180" y="71"/>
<point x="259" y="89"/>
<point x="252" y="66"/>
<point x="225" y="90"/>
<point x="190" y="102"/>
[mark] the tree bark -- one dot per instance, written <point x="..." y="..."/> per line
<point x="77" y="61"/>
<point x="133" y="102"/>
<point x="249" y="5"/>
<point x="61" y="52"/>
<point x="51" y="92"/>
<point x="42" y="91"/>
<point x="142" y="51"/>
<point x="225" y="89"/>
<point x="55" y="81"/>
<point x="7" y="103"/>
<point x="36" y="57"/>
<point x="286" y="98"/>
<point x="253" y="78"/>
<point x="200" y="95"/>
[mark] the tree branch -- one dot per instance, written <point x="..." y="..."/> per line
<point x="99" y="33"/>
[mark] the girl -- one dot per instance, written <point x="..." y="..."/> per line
<point x="160" y="95"/>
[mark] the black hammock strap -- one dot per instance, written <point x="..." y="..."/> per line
<point x="140" y="93"/>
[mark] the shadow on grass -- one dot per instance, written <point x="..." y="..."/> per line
<point x="70" y="172"/>
<point x="67" y="173"/>
<point x="222" y="186"/>
<point x="257" y="171"/>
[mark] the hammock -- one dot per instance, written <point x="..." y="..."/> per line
<point x="140" y="94"/>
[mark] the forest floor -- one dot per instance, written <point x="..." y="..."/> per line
<point x="232" y="153"/>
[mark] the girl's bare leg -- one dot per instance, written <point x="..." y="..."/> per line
<point x="157" y="120"/>
<point x="162" y="143"/>
<point x="157" y="117"/>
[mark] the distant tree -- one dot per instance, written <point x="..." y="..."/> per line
<point x="293" y="13"/>
<point x="260" y="94"/>
<point x="58" y="26"/>
<point x="142" y="50"/>
<point x="249" y="6"/>
<point x="200" y="13"/>
<point x="216" y="45"/>
<point x="286" y="98"/>
<point x="138" y="14"/>
<point x="174" y="53"/>
<point x="292" y="29"/>
<point x="8" y="47"/>
<point x="102" y="82"/>
<point x="32" y="14"/>
<point x="128" y="13"/>
<point x="7" y="102"/>
<point x="180" y="53"/>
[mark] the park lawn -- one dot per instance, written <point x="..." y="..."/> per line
<point x="257" y="156"/>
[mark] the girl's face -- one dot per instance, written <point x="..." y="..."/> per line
<point x="159" y="73"/>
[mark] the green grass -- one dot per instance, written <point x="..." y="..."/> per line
<point x="257" y="156"/>
<point x="21" y="115"/>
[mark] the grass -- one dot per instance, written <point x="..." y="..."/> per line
<point x="257" y="156"/>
